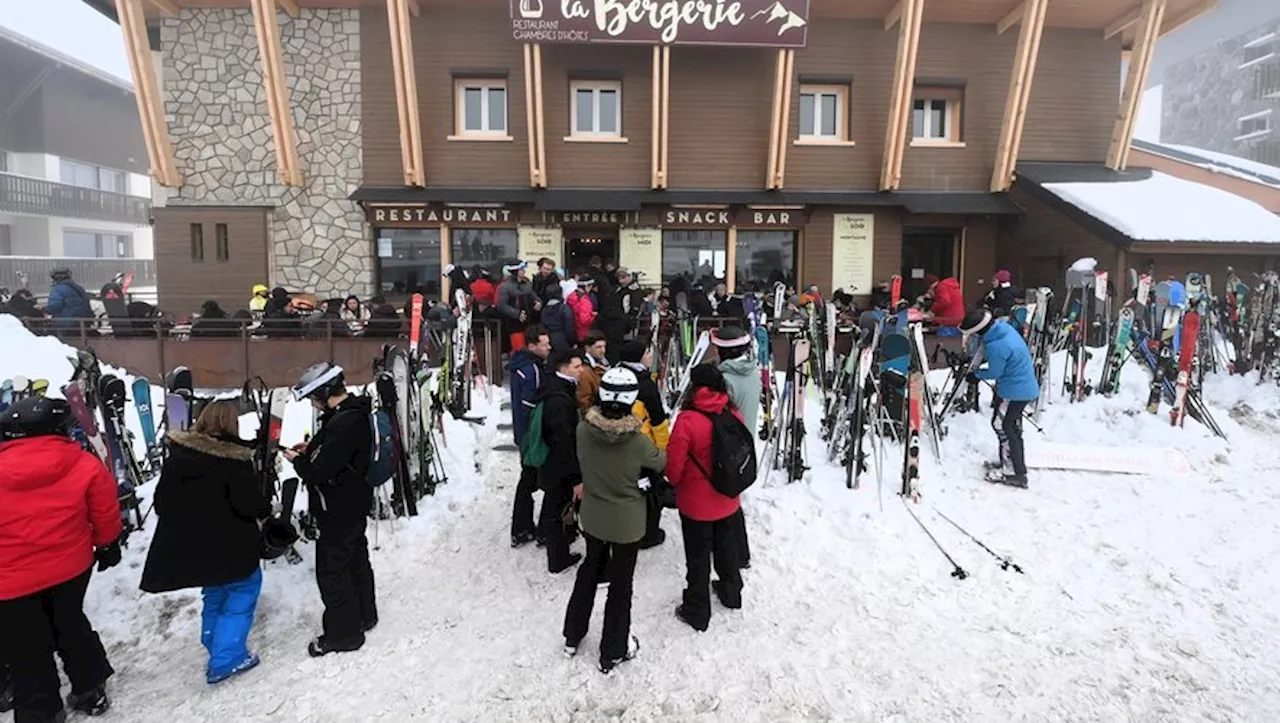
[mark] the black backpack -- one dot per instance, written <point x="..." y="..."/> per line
<point x="733" y="454"/>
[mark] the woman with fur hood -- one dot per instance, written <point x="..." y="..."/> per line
<point x="208" y="504"/>
<point x="612" y="453"/>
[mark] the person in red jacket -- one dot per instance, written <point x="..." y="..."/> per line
<point x="948" y="301"/>
<point x="483" y="290"/>
<point x="58" y="514"/>
<point x="584" y="310"/>
<point x="707" y="517"/>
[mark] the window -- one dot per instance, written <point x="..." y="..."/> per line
<point x="1259" y="50"/>
<point x="1253" y="126"/>
<point x="693" y="256"/>
<point x="82" y="244"/>
<point x="596" y="110"/>
<point x="89" y="176"/>
<point x="197" y="242"/>
<point x="824" y="113"/>
<point x="936" y="116"/>
<point x="224" y="249"/>
<point x="408" y="258"/>
<point x="488" y="248"/>
<point x="4" y="161"/>
<point x="482" y="109"/>
<point x="765" y="258"/>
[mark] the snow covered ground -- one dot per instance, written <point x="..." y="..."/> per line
<point x="1144" y="599"/>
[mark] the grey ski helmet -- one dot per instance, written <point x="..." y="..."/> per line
<point x="619" y="386"/>
<point x="321" y="381"/>
<point x="36" y="417"/>
<point x="278" y="535"/>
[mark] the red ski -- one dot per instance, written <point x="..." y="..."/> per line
<point x="415" y="326"/>
<point x="1186" y="356"/>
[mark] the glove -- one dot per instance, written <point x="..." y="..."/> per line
<point x="971" y="378"/>
<point x="107" y="556"/>
<point x="644" y="484"/>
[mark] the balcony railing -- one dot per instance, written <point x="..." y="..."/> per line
<point x="1267" y="76"/>
<point x="89" y="273"/>
<point x="23" y="194"/>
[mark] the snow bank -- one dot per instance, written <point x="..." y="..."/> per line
<point x="1164" y="208"/>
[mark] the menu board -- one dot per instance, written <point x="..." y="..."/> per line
<point x="640" y="250"/>
<point x="853" y="252"/>
<point x="536" y="242"/>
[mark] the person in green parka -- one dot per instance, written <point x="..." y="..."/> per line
<point x="612" y="452"/>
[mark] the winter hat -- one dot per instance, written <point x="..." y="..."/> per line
<point x="1003" y="276"/>
<point x="730" y="336"/>
<point x="585" y="280"/>
<point x="976" y="321"/>
<point x="513" y="268"/>
<point x="208" y="306"/>
<point x="930" y="279"/>
<point x="632" y="350"/>
<point x="448" y="269"/>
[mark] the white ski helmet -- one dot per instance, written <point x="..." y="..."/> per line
<point x="320" y="381"/>
<point x="619" y="386"/>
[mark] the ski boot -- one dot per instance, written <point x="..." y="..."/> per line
<point x="93" y="702"/>
<point x="633" y="647"/>
<point x="1004" y="478"/>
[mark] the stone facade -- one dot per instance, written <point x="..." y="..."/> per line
<point x="217" y="113"/>
<point x="1206" y="95"/>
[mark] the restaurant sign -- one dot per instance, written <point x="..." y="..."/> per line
<point x="434" y="214"/>
<point x="765" y="23"/>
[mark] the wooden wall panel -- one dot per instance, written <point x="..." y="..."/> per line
<point x="382" y="164"/>
<point x="1075" y="98"/>
<point x="816" y="256"/>
<point x="185" y="284"/>
<point x="1039" y="247"/>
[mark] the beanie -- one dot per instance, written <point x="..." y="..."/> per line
<point x="1003" y="276"/>
<point x="976" y="321"/>
<point x="632" y="350"/>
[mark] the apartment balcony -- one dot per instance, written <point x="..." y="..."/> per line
<point x="33" y="271"/>
<point x="1267" y="77"/>
<point x="38" y="197"/>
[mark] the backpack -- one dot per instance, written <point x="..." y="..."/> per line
<point x="382" y="452"/>
<point x="733" y="454"/>
<point x="533" y="448"/>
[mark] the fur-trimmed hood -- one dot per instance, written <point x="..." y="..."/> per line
<point x="610" y="431"/>
<point x="213" y="446"/>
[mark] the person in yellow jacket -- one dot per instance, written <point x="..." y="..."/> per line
<point x="258" y="302"/>
<point x="636" y="355"/>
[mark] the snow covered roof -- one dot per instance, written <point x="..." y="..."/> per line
<point x="1214" y="161"/>
<point x="1164" y="208"/>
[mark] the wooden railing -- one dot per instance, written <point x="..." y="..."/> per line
<point x="89" y="273"/>
<point x="24" y="194"/>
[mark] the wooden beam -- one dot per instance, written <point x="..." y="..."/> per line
<point x="784" y="132"/>
<point x="529" y="117"/>
<point x="289" y="6"/>
<point x="409" y="120"/>
<point x="1015" y="109"/>
<point x="1122" y="23"/>
<point x="1014" y="17"/>
<point x="168" y="7"/>
<point x="666" y="116"/>
<point x="415" y="9"/>
<point x="895" y="15"/>
<point x="655" y="123"/>
<point x="273" y="74"/>
<point x="1143" y="49"/>
<point x="731" y="260"/>
<point x="775" y="121"/>
<point x="539" y="116"/>
<point x="903" y="89"/>
<point x="1178" y="22"/>
<point x="146" y="89"/>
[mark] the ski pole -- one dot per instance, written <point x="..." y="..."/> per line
<point x="1005" y="562"/>
<point x="959" y="572"/>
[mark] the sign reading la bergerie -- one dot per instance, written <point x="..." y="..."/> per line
<point x="767" y="23"/>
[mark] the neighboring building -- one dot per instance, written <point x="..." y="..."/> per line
<point x="72" y="163"/>
<point x="1255" y="181"/>
<point x="1225" y="97"/>
<point x="380" y="146"/>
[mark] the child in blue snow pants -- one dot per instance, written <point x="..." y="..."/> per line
<point x="226" y="620"/>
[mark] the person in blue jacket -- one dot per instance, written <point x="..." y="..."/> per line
<point x="68" y="301"/>
<point x="1009" y="365"/>
<point x="526" y="370"/>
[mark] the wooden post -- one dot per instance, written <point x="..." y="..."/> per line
<point x="1123" y="23"/>
<point x="273" y="72"/>
<point x="155" y="130"/>
<point x="446" y="257"/>
<point x="1143" y="48"/>
<point x="784" y="130"/>
<point x="1015" y="110"/>
<point x="402" y="103"/>
<point x="655" y="169"/>
<point x="912" y="13"/>
<point x="666" y="114"/>
<point x="775" y="121"/>
<point x="411" y="94"/>
<point x="731" y="260"/>
<point x="539" y="117"/>
<point x="530" y="123"/>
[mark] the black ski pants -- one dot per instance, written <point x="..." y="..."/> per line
<point x="522" y="506"/>
<point x="345" y="579"/>
<point x="616" y="564"/>
<point x="556" y="498"/>
<point x="1006" y="420"/>
<point x="652" y="518"/>
<point x="707" y="544"/>
<point x="35" y="626"/>
<point x="740" y="533"/>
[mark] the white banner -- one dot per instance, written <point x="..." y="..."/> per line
<point x="640" y="250"/>
<point x="852" y="253"/>
<point x="536" y="242"/>
<point x="1121" y="460"/>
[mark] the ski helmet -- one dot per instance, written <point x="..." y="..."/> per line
<point x="36" y="417"/>
<point x="619" y="386"/>
<point x="975" y="322"/>
<point x="278" y="535"/>
<point x="60" y="273"/>
<point x="321" y="381"/>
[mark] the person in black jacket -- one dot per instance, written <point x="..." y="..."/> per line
<point x="332" y="466"/>
<point x="209" y="502"/>
<point x="557" y="317"/>
<point x="560" y="473"/>
<point x="213" y="322"/>
<point x="1003" y="295"/>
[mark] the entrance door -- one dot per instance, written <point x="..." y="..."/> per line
<point x="582" y="245"/>
<point x="926" y="251"/>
